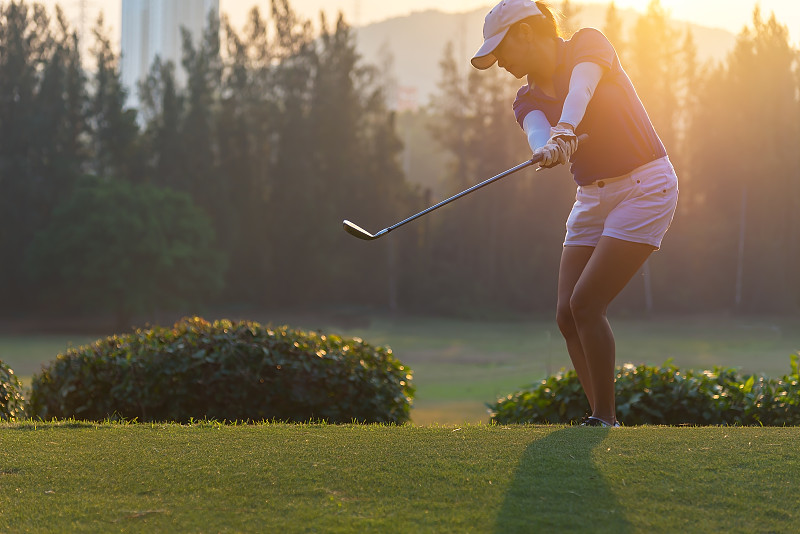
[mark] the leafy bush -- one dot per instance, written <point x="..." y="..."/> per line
<point x="12" y="403"/>
<point x="664" y="396"/>
<point x="225" y="371"/>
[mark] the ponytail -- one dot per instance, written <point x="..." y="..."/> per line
<point x="551" y="16"/>
<point x="545" y="25"/>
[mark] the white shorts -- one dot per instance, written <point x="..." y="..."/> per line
<point x="636" y="207"/>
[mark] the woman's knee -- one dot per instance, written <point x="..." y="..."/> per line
<point x="584" y="307"/>
<point x="564" y="319"/>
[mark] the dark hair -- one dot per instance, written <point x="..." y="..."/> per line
<point x="547" y="25"/>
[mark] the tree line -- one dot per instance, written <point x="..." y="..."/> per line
<point x="230" y="190"/>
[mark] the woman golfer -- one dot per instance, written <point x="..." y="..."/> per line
<point x="627" y="188"/>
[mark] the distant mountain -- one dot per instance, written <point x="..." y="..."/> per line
<point x="417" y="42"/>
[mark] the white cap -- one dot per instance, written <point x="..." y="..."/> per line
<point x="496" y="25"/>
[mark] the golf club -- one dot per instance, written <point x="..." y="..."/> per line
<point x="360" y="233"/>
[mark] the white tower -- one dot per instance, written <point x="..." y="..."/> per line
<point x="152" y="28"/>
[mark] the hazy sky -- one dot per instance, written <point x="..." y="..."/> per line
<point x="732" y="15"/>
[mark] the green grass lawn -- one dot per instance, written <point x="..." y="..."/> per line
<point x="318" y="478"/>
<point x="461" y="365"/>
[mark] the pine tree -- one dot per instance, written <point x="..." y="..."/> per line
<point x="201" y="178"/>
<point x="243" y="130"/>
<point x="614" y="30"/>
<point x="26" y="51"/>
<point x="162" y="106"/>
<point x="686" y="244"/>
<point x="349" y="126"/>
<point x="450" y="105"/>
<point x="653" y="64"/>
<point x="292" y="193"/>
<point x="762" y="87"/>
<point x="115" y="132"/>
<point x="59" y="123"/>
<point x="742" y="178"/>
<point x="450" y="258"/>
<point x="384" y="179"/>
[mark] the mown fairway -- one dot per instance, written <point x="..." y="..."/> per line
<point x="460" y="365"/>
<point x="301" y="478"/>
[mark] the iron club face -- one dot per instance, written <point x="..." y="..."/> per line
<point x="357" y="231"/>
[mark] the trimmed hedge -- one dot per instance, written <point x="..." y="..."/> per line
<point x="664" y="396"/>
<point x="12" y="402"/>
<point x="228" y="372"/>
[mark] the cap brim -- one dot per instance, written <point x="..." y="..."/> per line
<point x="484" y="57"/>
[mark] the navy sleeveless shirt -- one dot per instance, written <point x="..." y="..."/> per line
<point x="621" y="136"/>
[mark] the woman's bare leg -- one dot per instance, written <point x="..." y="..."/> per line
<point x="573" y="261"/>
<point x="608" y="270"/>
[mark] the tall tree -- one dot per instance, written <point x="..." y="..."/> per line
<point x="59" y="125"/>
<point x="162" y="107"/>
<point x="614" y="29"/>
<point x="203" y="67"/>
<point x="61" y="119"/>
<point x="762" y="88"/>
<point x="451" y="104"/>
<point x="684" y="247"/>
<point x="244" y="128"/>
<point x="689" y="79"/>
<point x="351" y="128"/>
<point x="292" y="196"/>
<point x="451" y="108"/>
<point x="749" y="202"/>
<point x="654" y="68"/>
<point x="26" y="48"/>
<point x="654" y="51"/>
<point x="115" y="132"/>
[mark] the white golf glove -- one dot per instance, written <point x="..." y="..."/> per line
<point x="559" y="148"/>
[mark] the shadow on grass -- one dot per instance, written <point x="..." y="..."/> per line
<point x="556" y="488"/>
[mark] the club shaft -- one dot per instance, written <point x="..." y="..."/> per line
<point x="462" y="194"/>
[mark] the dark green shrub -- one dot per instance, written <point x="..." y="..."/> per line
<point x="664" y="396"/>
<point x="12" y="403"/>
<point x="225" y="371"/>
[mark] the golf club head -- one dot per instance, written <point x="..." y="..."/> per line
<point x="357" y="231"/>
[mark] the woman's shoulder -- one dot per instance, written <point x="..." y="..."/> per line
<point x="589" y="35"/>
<point x="589" y="44"/>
